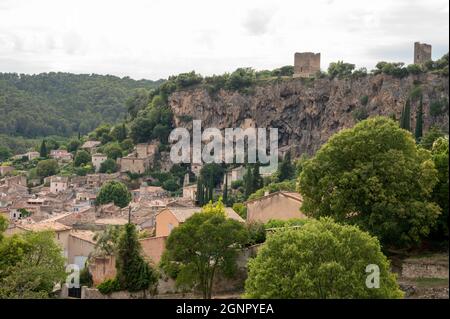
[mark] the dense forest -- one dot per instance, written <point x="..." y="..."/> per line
<point x="63" y="104"/>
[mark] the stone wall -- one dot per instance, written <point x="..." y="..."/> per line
<point x="102" y="268"/>
<point x="425" y="268"/>
<point x="153" y="248"/>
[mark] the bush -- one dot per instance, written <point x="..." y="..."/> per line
<point x="47" y="168"/>
<point x="256" y="233"/>
<point x="241" y="209"/>
<point x="322" y="260"/>
<point x="86" y="277"/>
<point x="82" y="158"/>
<point x="237" y="184"/>
<point x="276" y="223"/>
<point x="241" y="79"/>
<point x="109" y="166"/>
<point x="109" y="286"/>
<point x="340" y="69"/>
<point x="360" y="113"/>
<point x="364" y="100"/>
<point x="439" y="107"/>
<point x="414" y="69"/>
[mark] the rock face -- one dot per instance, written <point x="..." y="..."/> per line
<point x="307" y="112"/>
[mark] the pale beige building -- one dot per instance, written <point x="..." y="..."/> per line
<point x="190" y="192"/>
<point x="81" y="245"/>
<point x="279" y="205"/>
<point x="97" y="160"/>
<point x="58" y="184"/>
<point x="170" y="217"/>
<point x="61" y="232"/>
<point x="90" y="146"/>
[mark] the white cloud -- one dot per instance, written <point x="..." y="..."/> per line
<point x="154" y="39"/>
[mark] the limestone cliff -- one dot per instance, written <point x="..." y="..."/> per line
<point x="307" y="112"/>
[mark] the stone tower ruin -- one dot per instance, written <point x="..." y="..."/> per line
<point x="306" y="64"/>
<point x="422" y="53"/>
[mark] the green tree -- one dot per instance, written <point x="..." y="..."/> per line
<point x="430" y="137"/>
<point x="133" y="272"/>
<point x="405" y="118"/>
<point x="248" y="182"/>
<point x="286" y="170"/>
<point x="368" y="176"/>
<point x="108" y="166"/>
<point x="73" y="145"/>
<point x="241" y="209"/>
<point x="225" y="189"/>
<point x="419" y="121"/>
<point x="114" y="192"/>
<point x="441" y="190"/>
<point x="340" y="69"/>
<point x="30" y="265"/>
<point x="171" y="185"/>
<point x="322" y="260"/>
<point x="3" y="226"/>
<point x="82" y="158"/>
<point x="5" y="153"/>
<point x="113" y="151"/>
<point x="119" y="132"/>
<point x="205" y="244"/>
<point x="47" y="167"/>
<point x="43" y="152"/>
<point x="106" y="241"/>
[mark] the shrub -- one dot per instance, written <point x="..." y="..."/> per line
<point x="256" y="233"/>
<point x="364" y="100"/>
<point x="321" y="260"/>
<point x="276" y="223"/>
<point x="241" y="209"/>
<point x="109" y="286"/>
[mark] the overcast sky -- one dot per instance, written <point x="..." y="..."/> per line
<point x="154" y="39"/>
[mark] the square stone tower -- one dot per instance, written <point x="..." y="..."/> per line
<point x="306" y="64"/>
<point x="422" y="53"/>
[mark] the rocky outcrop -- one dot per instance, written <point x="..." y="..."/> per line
<point x="307" y="112"/>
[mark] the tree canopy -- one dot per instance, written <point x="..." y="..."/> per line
<point x="320" y="260"/>
<point x="30" y="265"/>
<point x="114" y="192"/>
<point x="374" y="176"/>
<point x="205" y="244"/>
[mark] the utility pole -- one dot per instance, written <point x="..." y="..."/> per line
<point x="129" y="214"/>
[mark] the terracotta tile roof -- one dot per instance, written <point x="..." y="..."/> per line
<point x="181" y="214"/>
<point x="293" y="195"/>
<point x="85" y="235"/>
<point x="111" y="221"/>
<point x="90" y="144"/>
<point x="45" y="225"/>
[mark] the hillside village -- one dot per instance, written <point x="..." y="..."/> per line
<point x="163" y="196"/>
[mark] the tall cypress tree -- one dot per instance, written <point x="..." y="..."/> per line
<point x="133" y="272"/>
<point x="419" y="121"/>
<point x="405" y="119"/>
<point x="286" y="169"/>
<point x="43" y="152"/>
<point x="248" y="181"/>
<point x="199" y="198"/>
<point x="257" y="181"/>
<point x="225" y="190"/>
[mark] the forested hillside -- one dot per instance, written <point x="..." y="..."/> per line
<point x="62" y="104"/>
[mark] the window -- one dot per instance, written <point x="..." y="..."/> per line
<point x="170" y="226"/>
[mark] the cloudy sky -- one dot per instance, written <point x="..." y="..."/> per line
<point x="154" y="39"/>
